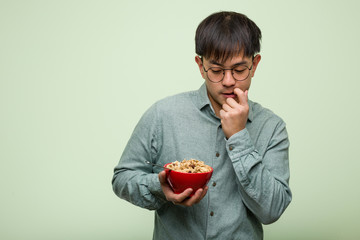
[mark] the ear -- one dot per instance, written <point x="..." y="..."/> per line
<point x="200" y="65"/>
<point x="256" y="61"/>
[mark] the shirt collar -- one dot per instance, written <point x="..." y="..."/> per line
<point x="202" y="101"/>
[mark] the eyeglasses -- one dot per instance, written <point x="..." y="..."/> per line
<point x="239" y="73"/>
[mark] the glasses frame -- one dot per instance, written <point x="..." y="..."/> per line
<point x="224" y="69"/>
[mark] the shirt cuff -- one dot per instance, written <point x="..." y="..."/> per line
<point x="240" y="145"/>
<point x="154" y="187"/>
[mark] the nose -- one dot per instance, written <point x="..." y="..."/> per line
<point x="228" y="79"/>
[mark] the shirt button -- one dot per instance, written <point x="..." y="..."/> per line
<point x="214" y="184"/>
<point x="211" y="213"/>
<point x="231" y="148"/>
<point x="217" y="154"/>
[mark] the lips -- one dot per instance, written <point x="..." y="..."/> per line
<point x="229" y="95"/>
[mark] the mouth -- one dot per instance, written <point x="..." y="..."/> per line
<point x="229" y="95"/>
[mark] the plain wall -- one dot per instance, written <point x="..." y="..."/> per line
<point x="76" y="76"/>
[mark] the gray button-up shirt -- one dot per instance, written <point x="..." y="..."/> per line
<point x="249" y="186"/>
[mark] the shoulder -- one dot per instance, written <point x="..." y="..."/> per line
<point x="267" y="127"/>
<point x="177" y="102"/>
<point x="166" y="112"/>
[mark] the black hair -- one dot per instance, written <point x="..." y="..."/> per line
<point x="223" y="35"/>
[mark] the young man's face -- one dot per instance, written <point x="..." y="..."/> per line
<point x="243" y="69"/>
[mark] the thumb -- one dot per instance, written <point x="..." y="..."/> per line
<point x="162" y="177"/>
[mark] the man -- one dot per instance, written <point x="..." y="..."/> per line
<point x="246" y="144"/>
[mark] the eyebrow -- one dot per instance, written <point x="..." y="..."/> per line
<point x="236" y="64"/>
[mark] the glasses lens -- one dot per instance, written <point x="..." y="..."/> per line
<point x="241" y="73"/>
<point x="215" y="74"/>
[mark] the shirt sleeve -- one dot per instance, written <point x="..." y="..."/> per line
<point x="264" y="179"/>
<point x="133" y="179"/>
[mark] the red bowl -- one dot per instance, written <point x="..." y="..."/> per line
<point x="180" y="181"/>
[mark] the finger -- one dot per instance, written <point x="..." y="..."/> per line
<point x="232" y="102"/>
<point x="179" y="198"/>
<point x="203" y="194"/>
<point x="195" y="198"/>
<point x="222" y="113"/>
<point x="226" y="107"/>
<point x="242" y="97"/>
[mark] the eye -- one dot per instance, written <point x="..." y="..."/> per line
<point x="216" y="70"/>
<point x="240" y="70"/>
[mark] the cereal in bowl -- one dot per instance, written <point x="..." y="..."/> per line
<point x="189" y="166"/>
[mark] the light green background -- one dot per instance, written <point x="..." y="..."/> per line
<point x="75" y="77"/>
